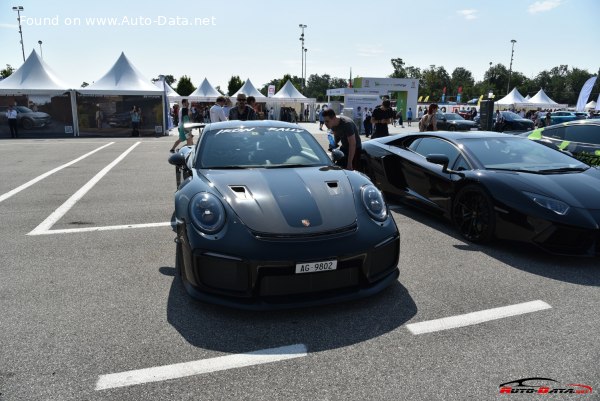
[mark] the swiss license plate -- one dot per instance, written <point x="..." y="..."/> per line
<point x="313" y="267"/>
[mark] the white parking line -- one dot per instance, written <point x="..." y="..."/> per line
<point x="101" y="228"/>
<point x="41" y="177"/>
<point x="193" y="368"/>
<point x="476" y="317"/>
<point x="65" y="207"/>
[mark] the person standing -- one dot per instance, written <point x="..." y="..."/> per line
<point x="135" y="121"/>
<point x="321" y="120"/>
<point x="183" y="119"/>
<point x="11" y="116"/>
<point x="367" y="123"/>
<point x="382" y="116"/>
<point x="99" y="118"/>
<point x="409" y="117"/>
<point x="358" y="119"/>
<point x="429" y="121"/>
<point x="242" y="111"/>
<point x="346" y="132"/>
<point x="217" y="113"/>
<point x="400" y="119"/>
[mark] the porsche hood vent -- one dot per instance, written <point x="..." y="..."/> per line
<point x="241" y="192"/>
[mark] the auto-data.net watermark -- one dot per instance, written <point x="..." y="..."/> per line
<point x="124" y="21"/>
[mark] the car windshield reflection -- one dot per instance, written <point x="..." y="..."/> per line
<point x="259" y="147"/>
<point x="518" y="154"/>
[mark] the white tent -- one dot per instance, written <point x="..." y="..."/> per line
<point x="527" y="97"/>
<point x="122" y="79"/>
<point x="34" y="77"/>
<point x="249" y="90"/>
<point x="39" y="83"/>
<point x="170" y="91"/>
<point x="288" y="94"/>
<point x="591" y="105"/>
<point x="205" y="92"/>
<point x="514" y="98"/>
<point x="542" y="100"/>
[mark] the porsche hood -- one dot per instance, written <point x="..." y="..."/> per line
<point x="301" y="200"/>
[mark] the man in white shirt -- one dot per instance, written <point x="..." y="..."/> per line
<point x="216" y="111"/>
<point x="11" y="115"/>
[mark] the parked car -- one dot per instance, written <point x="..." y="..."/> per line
<point x="453" y="122"/>
<point x="512" y="122"/>
<point x="493" y="185"/>
<point x="581" y="138"/>
<point x="557" y="117"/>
<point x="28" y="118"/>
<point x="265" y="220"/>
<point x="119" y="120"/>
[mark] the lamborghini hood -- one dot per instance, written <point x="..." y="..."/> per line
<point x="303" y="200"/>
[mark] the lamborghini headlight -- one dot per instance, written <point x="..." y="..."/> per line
<point x="374" y="203"/>
<point x="207" y="213"/>
<point x="556" y="206"/>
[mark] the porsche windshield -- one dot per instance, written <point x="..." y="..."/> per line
<point x="520" y="154"/>
<point x="256" y="147"/>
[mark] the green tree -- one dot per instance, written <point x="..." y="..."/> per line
<point x="218" y="89"/>
<point x="235" y="83"/>
<point x="399" y="70"/>
<point x="461" y="78"/>
<point x="433" y="82"/>
<point x="169" y="79"/>
<point x="7" y="72"/>
<point x="84" y="84"/>
<point x="185" y="86"/>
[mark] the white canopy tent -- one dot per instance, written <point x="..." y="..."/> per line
<point x="249" y="90"/>
<point x="542" y="100"/>
<point x="204" y="93"/>
<point x="170" y="91"/>
<point x="122" y="79"/>
<point x="34" y="77"/>
<point x="513" y="99"/>
<point x="39" y="83"/>
<point x="289" y="95"/>
<point x="591" y="105"/>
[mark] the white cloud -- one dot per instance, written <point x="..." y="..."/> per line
<point x="541" y="6"/>
<point x="9" y="26"/>
<point x="370" y="50"/>
<point x="468" y="14"/>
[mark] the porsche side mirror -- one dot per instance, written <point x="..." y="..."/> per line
<point x="177" y="159"/>
<point x="337" y="155"/>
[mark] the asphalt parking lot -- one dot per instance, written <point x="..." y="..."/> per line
<point x="91" y="308"/>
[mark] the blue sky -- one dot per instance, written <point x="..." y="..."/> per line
<point x="260" y="39"/>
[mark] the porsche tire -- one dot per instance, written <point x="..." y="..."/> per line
<point x="473" y="214"/>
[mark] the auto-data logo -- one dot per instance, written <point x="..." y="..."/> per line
<point x="541" y="385"/>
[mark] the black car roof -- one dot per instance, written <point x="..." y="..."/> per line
<point x="450" y="135"/>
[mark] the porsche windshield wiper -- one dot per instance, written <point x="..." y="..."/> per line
<point x="563" y="169"/>
<point x="226" y="167"/>
<point x="287" y="165"/>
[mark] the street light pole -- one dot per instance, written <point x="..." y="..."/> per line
<point x="511" y="60"/>
<point x="302" y="26"/>
<point x="18" y="9"/>
<point x="305" y="73"/>
<point x="41" y="52"/>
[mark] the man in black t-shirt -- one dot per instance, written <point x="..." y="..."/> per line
<point x="382" y="116"/>
<point x="346" y="132"/>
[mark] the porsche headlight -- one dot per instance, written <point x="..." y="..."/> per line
<point x="207" y="213"/>
<point x="556" y="206"/>
<point x="373" y="201"/>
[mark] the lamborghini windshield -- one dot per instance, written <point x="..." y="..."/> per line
<point x="520" y="154"/>
<point x="259" y="147"/>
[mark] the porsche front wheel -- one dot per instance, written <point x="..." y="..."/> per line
<point x="473" y="214"/>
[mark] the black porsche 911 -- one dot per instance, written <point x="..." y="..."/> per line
<point x="493" y="185"/>
<point x="265" y="220"/>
